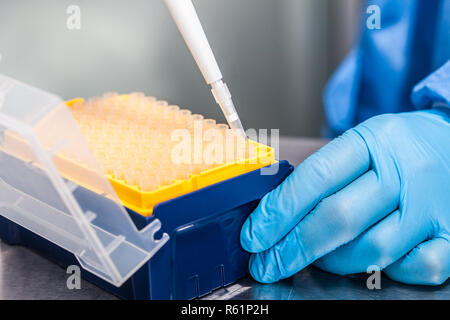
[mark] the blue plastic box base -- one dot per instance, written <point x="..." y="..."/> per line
<point x="203" y="253"/>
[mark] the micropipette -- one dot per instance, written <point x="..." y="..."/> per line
<point x="186" y="18"/>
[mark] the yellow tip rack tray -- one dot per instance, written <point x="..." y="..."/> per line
<point x="143" y="202"/>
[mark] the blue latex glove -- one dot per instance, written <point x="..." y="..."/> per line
<point x="377" y="195"/>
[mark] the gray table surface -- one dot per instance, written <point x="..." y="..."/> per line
<point x="26" y="275"/>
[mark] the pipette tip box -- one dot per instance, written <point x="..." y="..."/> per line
<point x="178" y="241"/>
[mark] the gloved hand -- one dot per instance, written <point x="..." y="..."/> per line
<point x="377" y="195"/>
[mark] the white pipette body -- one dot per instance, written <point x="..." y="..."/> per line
<point x="186" y="18"/>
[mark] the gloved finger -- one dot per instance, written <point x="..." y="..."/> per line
<point x="324" y="173"/>
<point x="335" y="221"/>
<point x="381" y="245"/>
<point x="427" y="264"/>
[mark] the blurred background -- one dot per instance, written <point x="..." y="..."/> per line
<point x="276" y="55"/>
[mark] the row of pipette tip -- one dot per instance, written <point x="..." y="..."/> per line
<point x="132" y="138"/>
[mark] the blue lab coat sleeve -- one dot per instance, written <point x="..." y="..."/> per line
<point x="434" y="90"/>
<point x="400" y="67"/>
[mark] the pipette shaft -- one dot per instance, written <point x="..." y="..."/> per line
<point x="186" y="18"/>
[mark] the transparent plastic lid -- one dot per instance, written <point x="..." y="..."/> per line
<point x="52" y="185"/>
